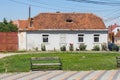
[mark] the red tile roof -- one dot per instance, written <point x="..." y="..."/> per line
<point x="69" y="21"/>
<point x="112" y="27"/>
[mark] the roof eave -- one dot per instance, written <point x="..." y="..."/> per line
<point x="67" y="30"/>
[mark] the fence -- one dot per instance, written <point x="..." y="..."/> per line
<point x="8" y="41"/>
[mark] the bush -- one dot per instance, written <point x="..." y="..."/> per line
<point x="82" y="47"/>
<point x="71" y="48"/>
<point x="43" y="48"/>
<point x="96" y="48"/>
<point x="63" y="48"/>
<point x="104" y="47"/>
<point x="113" y="47"/>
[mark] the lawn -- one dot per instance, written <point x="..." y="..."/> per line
<point x="70" y="60"/>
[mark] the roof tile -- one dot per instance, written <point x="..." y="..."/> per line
<point x="64" y="21"/>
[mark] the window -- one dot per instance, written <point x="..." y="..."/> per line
<point x="96" y="37"/>
<point x="69" y="20"/>
<point x="80" y="37"/>
<point x="45" y="38"/>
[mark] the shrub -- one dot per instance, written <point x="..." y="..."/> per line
<point x="63" y="48"/>
<point x="113" y="47"/>
<point x="82" y="47"/>
<point x="43" y="48"/>
<point x="104" y="47"/>
<point x="77" y="49"/>
<point x="71" y="48"/>
<point x="96" y="48"/>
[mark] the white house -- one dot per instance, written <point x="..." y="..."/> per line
<point x="55" y="30"/>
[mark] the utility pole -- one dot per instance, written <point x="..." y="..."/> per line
<point x="29" y="11"/>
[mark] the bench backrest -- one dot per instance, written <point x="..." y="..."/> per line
<point x="45" y="58"/>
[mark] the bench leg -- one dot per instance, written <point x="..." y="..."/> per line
<point x="60" y="67"/>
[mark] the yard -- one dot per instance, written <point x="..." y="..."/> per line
<point x="75" y="61"/>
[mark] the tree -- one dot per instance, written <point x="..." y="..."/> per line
<point x="6" y="26"/>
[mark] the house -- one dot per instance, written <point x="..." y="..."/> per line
<point x="55" y="30"/>
<point x="117" y="38"/>
<point x="113" y="30"/>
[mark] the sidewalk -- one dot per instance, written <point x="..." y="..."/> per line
<point x="63" y="75"/>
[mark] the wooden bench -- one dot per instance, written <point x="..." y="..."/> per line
<point x="118" y="61"/>
<point x="45" y="63"/>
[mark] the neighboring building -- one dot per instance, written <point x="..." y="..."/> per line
<point x="113" y="28"/>
<point x="112" y="31"/>
<point x="55" y="30"/>
<point x="117" y="38"/>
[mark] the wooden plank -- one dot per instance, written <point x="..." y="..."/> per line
<point x="47" y="64"/>
<point x="45" y="58"/>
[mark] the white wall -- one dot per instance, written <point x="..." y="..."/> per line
<point x="116" y="30"/>
<point x="22" y="40"/>
<point x="34" y="39"/>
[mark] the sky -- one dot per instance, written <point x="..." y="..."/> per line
<point x="19" y="9"/>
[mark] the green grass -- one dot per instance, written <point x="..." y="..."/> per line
<point x="70" y="61"/>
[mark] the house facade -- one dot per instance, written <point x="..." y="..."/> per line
<point x="55" y="30"/>
<point x="113" y="31"/>
<point x="117" y="38"/>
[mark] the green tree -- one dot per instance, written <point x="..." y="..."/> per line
<point x="6" y="26"/>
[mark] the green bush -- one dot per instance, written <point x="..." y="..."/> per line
<point x="43" y="48"/>
<point x="82" y="47"/>
<point x="104" y="47"/>
<point x="63" y="48"/>
<point x="71" y="48"/>
<point x="115" y="48"/>
<point x="96" y="48"/>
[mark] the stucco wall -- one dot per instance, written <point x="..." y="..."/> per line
<point x="116" y="30"/>
<point x="34" y="39"/>
<point x="117" y="41"/>
<point x="22" y="40"/>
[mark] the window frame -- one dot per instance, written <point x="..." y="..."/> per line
<point x="45" y="36"/>
<point x="80" y="36"/>
<point x="96" y="38"/>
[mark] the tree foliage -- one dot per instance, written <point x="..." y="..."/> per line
<point x="6" y="26"/>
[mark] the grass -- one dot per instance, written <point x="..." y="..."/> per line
<point x="70" y="61"/>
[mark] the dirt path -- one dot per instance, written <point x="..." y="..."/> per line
<point x="2" y="55"/>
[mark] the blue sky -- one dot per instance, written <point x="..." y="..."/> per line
<point x="18" y="9"/>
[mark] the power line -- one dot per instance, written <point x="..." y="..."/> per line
<point x="58" y="9"/>
<point x="117" y="3"/>
<point x="19" y="2"/>
<point x="70" y="8"/>
<point x="111" y="19"/>
<point x="113" y="12"/>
